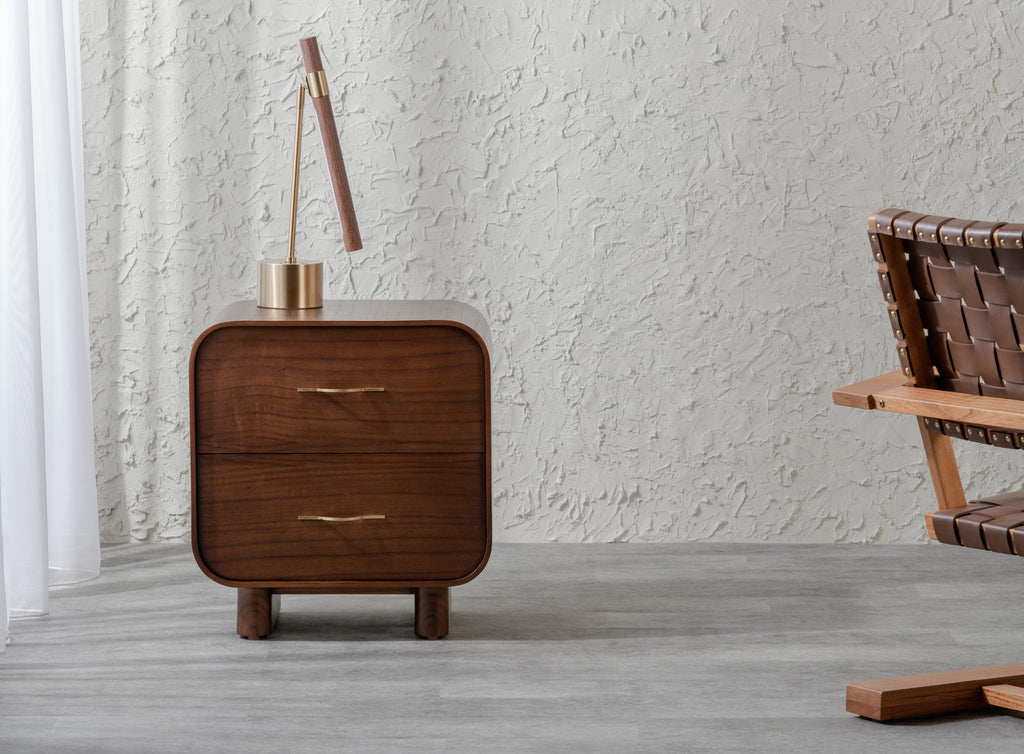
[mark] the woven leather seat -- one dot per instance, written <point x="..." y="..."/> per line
<point x="994" y="523"/>
<point x="954" y="294"/>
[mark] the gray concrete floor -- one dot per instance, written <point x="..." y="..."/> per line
<point x="554" y="648"/>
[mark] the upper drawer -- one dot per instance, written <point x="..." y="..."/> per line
<point x="299" y="389"/>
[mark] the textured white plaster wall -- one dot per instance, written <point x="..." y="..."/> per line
<point x="659" y="206"/>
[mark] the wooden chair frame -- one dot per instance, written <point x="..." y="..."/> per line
<point x="915" y="389"/>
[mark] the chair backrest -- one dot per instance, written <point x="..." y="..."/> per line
<point x="955" y="295"/>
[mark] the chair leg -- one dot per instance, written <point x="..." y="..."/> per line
<point x="938" y="693"/>
<point x="938" y="449"/>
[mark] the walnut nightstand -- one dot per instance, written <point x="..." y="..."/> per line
<point x="342" y="450"/>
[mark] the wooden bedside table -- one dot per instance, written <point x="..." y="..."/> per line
<point x="342" y="450"/>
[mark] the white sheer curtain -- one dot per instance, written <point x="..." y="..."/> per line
<point x="48" y="514"/>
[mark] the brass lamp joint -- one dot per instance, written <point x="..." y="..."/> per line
<point x="317" y="84"/>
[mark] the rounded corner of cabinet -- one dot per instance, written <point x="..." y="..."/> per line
<point x="201" y="338"/>
<point x="479" y="566"/>
<point x="197" y="555"/>
<point x="476" y="336"/>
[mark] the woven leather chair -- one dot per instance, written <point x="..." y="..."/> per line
<point x="954" y="290"/>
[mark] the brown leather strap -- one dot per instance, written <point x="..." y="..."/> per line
<point x="903" y="225"/>
<point x="952" y="232"/>
<point x="927" y="229"/>
<point x="881" y="221"/>
<point x="996" y="531"/>
<point x="1009" y="236"/>
<point x="944" y="521"/>
<point x="969" y="529"/>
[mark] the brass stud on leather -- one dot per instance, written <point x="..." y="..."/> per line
<point x="945" y="239"/>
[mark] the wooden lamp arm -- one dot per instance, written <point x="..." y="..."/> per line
<point x="889" y="392"/>
<point x="332" y="147"/>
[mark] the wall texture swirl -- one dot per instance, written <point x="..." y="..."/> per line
<point x="659" y="206"/>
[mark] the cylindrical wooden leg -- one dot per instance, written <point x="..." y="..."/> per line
<point x="432" y="612"/>
<point x="257" y="612"/>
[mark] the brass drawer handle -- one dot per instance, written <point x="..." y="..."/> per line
<point x="337" y="390"/>
<point x="346" y="520"/>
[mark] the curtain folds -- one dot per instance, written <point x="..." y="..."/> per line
<point x="48" y="511"/>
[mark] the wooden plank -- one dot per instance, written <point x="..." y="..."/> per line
<point x="912" y="334"/>
<point x="861" y="394"/>
<point x="949" y="489"/>
<point x="960" y="407"/>
<point x="931" y="694"/>
<point x="888" y="393"/>
<point x="1004" y="695"/>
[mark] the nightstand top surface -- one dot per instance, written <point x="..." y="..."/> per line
<point x="374" y="311"/>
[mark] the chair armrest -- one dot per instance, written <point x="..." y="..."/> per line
<point x="862" y="394"/>
<point x="888" y="392"/>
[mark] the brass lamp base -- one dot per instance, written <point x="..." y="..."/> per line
<point x="290" y="285"/>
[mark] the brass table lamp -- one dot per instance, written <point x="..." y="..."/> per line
<point x="294" y="284"/>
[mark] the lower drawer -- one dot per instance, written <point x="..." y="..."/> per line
<point x="417" y="517"/>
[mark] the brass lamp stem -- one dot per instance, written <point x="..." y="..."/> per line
<point x="291" y="284"/>
<point x="300" y="102"/>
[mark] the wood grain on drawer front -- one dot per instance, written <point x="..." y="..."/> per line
<point x="435" y="508"/>
<point x="246" y="382"/>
